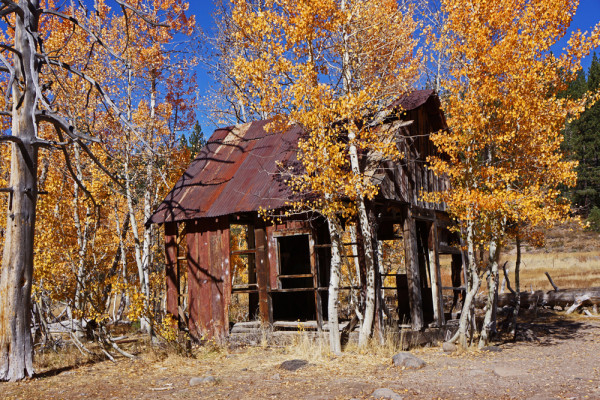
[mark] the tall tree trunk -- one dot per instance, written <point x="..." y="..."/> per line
<point x="16" y="353"/>
<point x="82" y="236"/>
<point x="473" y="277"/>
<point x="489" y="322"/>
<point x="517" y="288"/>
<point x="334" y="284"/>
<point x="367" y="324"/>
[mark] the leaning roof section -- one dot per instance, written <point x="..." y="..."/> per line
<point x="239" y="171"/>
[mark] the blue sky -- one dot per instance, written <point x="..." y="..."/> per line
<point x="586" y="17"/>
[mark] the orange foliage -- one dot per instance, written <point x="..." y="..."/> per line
<point x="80" y="231"/>
<point x="328" y="66"/>
<point x="502" y="152"/>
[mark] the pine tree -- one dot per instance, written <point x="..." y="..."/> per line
<point x="583" y="142"/>
<point x="195" y="142"/>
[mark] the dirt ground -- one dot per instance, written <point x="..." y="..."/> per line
<point x="561" y="360"/>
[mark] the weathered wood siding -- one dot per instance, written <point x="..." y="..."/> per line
<point x="172" y="270"/>
<point x="209" y="283"/>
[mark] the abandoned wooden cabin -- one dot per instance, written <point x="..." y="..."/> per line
<point x="286" y="273"/>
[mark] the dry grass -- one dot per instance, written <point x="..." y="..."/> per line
<point x="571" y="256"/>
<point x="568" y="270"/>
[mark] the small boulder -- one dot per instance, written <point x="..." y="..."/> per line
<point x="201" y="380"/>
<point x="475" y="372"/>
<point x="276" y="377"/>
<point x="407" y="360"/>
<point x="293" y="365"/>
<point x="385" y="393"/>
<point x="492" y="349"/>
<point x="449" y="347"/>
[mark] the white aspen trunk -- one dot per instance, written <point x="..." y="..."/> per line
<point x="334" y="284"/>
<point x="137" y="244"/>
<point x="488" y="321"/>
<point x="366" y="327"/>
<point x="16" y="352"/>
<point x="146" y="244"/>
<point x="82" y="235"/>
<point x="517" y="289"/>
<point x="124" y="300"/>
<point x="463" y="324"/>
<point x="367" y="324"/>
<point x="433" y="266"/>
<point x="144" y="322"/>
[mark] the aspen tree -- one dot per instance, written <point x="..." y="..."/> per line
<point x="502" y="152"/>
<point x="33" y="77"/>
<point x="328" y="66"/>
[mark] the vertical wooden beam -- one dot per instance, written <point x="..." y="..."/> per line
<point x="265" y="306"/>
<point x="216" y="267"/>
<point x="171" y="269"/>
<point x="204" y="297"/>
<point x="272" y="251"/>
<point x="412" y="270"/>
<point x="226" y="270"/>
<point x="194" y="278"/>
<point x="315" y="272"/>
<point x="434" y="270"/>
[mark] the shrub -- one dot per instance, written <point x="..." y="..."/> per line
<point x="594" y="219"/>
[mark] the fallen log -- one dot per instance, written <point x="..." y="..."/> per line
<point x="579" y="301"/>
<point x="553" y="298"/>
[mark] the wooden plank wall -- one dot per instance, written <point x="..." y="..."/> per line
<point x="407" y="179"/>
<point x="263" y="271"/>
<point x="209" y="283"/>
<point x="172" y="271"/>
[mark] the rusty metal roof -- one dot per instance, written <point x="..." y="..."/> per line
<point x="235" y="172"/>
<point x="413" y="100"/>
<point x="238" y="171"/>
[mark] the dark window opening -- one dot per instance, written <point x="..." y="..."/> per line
<point x="296" y="301"/>
<point x="294" y="262"/>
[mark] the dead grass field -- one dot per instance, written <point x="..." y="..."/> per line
<point x="571" y="256"/>
<point x="562" y="363"/>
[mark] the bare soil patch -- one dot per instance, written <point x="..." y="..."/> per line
<point x="562" y="361"/>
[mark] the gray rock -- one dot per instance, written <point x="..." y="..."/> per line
<point x="449" y="347"/>
<point x="475" y="372"/>
<point x="492" y="349"/>
<point x="201" y="380"/>
<point x="407" y="360"/>
<point x="293" y="365"/>
<point x="385" y="393"/>
<point x="276" y="377"/>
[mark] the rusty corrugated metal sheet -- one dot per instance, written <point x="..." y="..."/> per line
<point x="413" y="100"/>
<point x="237" y="171"/>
